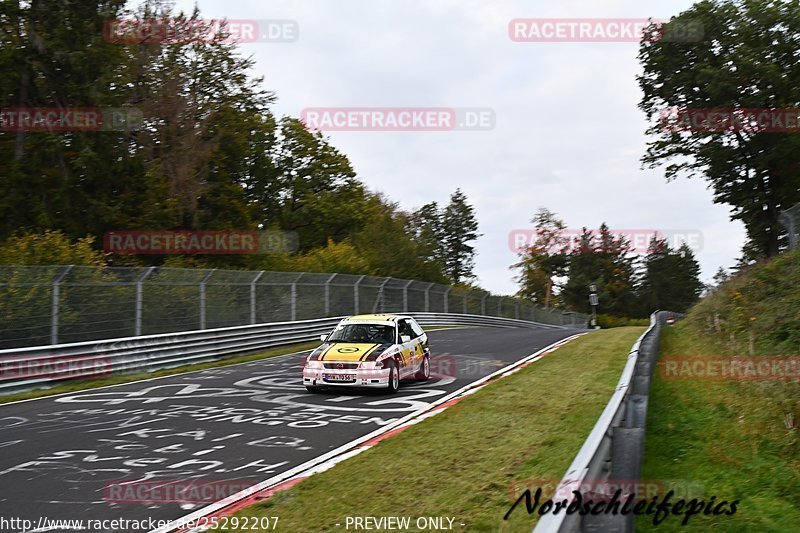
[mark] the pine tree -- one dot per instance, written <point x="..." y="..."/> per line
<point x="459" y="228"/>
<point x="603" y="260"/>
<point x="671" y="278"/>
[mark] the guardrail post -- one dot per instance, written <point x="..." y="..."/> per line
<point x="203" y="298"/>
<point x="483" y="303"/>
<point x="55" y="304"/>
<point x="253" y="317"/>
<point x="328" y="295"/>
<point x="405" y="296"/>
<point x="446" y="295"/>
<point x="137" y="327"/>
<point x="355" y="295"/>
<point x="466" y="294"/>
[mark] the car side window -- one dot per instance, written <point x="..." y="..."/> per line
<point x="405" y="329"/>
<point x="416" y="327"/>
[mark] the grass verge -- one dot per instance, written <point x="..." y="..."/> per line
<point x="86" y="384"/>
<point x="730" y="439"/>
<point x="471" y="461"/>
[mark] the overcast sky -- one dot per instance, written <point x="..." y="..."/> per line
<point x="568" y="134"/>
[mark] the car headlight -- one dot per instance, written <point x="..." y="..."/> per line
<point x="313" y="364"/>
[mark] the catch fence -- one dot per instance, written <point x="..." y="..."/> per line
<point x="42" y="305"/>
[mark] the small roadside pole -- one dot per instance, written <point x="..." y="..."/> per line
<point x="593" y="301"/>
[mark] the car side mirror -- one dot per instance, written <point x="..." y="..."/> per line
<point x="405" y="338"/>
<point x="323" y="337"/>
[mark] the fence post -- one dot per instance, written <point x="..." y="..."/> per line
<point x="355" y="295"/>
<point x="293" y="302"/>
<point x="405" y="296"/>
<point x="466" y="294"/>
<point x="380" y="301"/>
<point x="54" y="307"/>
<point x="328" y="295"/>
<point x="253" y="317"/>
<point x="446" y="294"/>
<point x="203" y="298"/>
<point x="428" y="297"/>
<point x="137" y="327"/>
<point x="483" y="304"/>
<point x="516" y="310"/>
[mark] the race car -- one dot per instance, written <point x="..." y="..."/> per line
<point x="369" y="351"/>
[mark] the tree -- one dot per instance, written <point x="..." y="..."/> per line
<point x="387" y="247"/>
<point x="459" y="228"/>
<point x="313" y="189"/>
<point x="205" y="122"/>
<point x="599" y="258"/>
<point x="425" y="228"/>
<point x="747" y="59"/>
<point x="544" y="259"/>
<point x="210" y="153"/>
<point x="671" y="278"/>
<point x="53" y="55"/>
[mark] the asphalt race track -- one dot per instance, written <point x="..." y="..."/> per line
<point x="78" y="456"/>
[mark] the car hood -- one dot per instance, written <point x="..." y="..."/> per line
<point x="349" y="351"/>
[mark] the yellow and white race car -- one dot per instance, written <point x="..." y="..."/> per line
<point x="369" y="351"/>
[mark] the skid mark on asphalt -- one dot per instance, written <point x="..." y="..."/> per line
<point x="245" y="422"/>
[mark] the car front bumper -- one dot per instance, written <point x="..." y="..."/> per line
<point x="332" y="377"/>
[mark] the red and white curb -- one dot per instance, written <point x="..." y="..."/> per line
<point x="266" y="489"/>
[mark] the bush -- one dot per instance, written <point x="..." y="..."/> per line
<point x="49" y="248"/>
<point x="755" y="310"/>
<point x="612" y="321"/>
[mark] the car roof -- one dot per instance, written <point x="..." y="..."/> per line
<point x="380" y="318"/>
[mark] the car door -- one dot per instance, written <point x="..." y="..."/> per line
<point x="406" y="348"/>
<point x="420" y="337"/>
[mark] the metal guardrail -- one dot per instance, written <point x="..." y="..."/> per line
<point x="41" y="366"/>
<point x="614" y="449"/>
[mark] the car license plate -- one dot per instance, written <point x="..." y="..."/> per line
<point x="339" y="377"/>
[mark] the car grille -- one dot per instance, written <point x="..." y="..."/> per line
<point x="341" y="366"/>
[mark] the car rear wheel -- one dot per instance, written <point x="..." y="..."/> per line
<point x="424" y="369"/>
<point x="394" y="378"/>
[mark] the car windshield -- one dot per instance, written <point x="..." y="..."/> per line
<point x="373" y="333"/>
